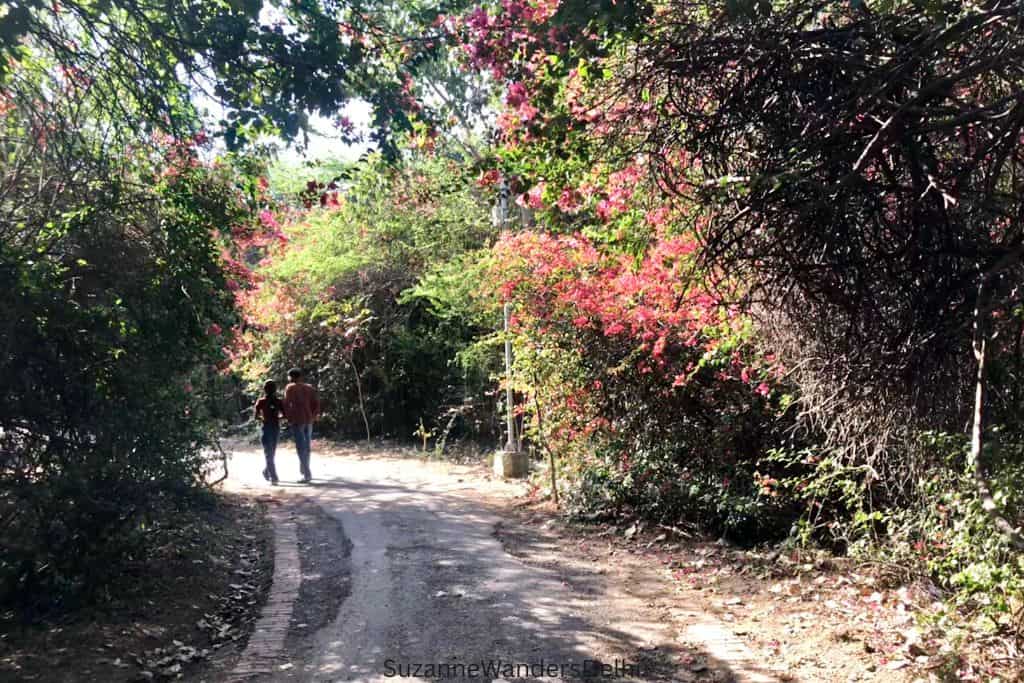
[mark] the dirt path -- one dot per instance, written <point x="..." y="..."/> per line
<point x="421" y="571"/>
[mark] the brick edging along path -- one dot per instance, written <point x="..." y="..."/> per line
<point x="264" y="652"/>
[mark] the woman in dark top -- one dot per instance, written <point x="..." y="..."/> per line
<point x="268" y="411"/>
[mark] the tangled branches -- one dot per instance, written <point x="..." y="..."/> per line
<point x="867" y="170"/>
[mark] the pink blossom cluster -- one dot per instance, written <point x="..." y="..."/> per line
<point x="568" y="286"/>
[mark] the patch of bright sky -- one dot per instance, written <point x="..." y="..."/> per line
<point x="324" y="143"/>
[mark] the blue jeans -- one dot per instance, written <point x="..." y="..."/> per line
<point x="303" y="441"/>
<point x="268" y="438"/>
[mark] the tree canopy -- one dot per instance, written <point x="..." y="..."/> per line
<point x="270" y="64"/>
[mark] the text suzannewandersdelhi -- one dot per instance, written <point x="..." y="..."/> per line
<point x="499" y="668"/>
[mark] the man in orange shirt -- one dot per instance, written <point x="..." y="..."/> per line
<point x="302" y="408"/>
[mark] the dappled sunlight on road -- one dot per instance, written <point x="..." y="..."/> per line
<point x="432" y="585"/>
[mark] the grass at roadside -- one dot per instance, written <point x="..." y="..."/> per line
<point x="184" y="610"/>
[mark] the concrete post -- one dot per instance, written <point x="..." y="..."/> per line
<point x="510" y="462"/>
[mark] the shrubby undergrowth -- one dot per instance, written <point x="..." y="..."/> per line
<point x="366" y="291"/>
<point x="114" y="319"/>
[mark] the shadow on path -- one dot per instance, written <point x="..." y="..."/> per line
<point x="431" y="594"/>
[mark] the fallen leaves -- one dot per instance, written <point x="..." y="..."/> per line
<point x="816" y="616"/>
<point x="169" y="662"/>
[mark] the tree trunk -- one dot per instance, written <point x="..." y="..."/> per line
<point x="988" y="503"/>
<point x="544" y="444"/>
<point x="359" y="390"/>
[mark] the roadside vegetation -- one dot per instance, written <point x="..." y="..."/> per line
<point x="763" y="263"/>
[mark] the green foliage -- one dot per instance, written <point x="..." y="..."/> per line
<point x="409" y="218"/>
<point x="660" y="485"/>
<point x="939" y="530"/>
<point x="397" y="243"/>
<point x="115" y="295"/>
<point x="834" y="496"/>
<point x="451" y="287"/>
<point x="270" y="63"/>
<point x="950" y="535"/>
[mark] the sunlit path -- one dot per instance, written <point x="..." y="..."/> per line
<point x="432" y="589"/>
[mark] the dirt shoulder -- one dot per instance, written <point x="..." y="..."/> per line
<point x="185" y="609"/>
<point x="805" y="616"/>
<point x="780" y="617"/>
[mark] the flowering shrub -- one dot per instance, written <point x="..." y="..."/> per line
<point x="643" y="374"/>
<point x="651" y="386"/>
<point x="357" y="259"/>
<point x="116" y="317"/>
<point x="671" y="163"/>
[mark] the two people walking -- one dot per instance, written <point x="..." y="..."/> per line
<point x="301" y="407"/>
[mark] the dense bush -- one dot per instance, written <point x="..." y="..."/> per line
<point x="353" y="299"/>
<point x="652" y="393"/>
<point x="870" y="237"/>
<point x="116" y="299"/>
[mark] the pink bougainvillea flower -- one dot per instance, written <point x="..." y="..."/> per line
<point x="516" y="95"/>
<point x="535" y="197"/>
<point x="267" y="219"/>
<point x="569" y="201"/>
<point x="489" y="178"/>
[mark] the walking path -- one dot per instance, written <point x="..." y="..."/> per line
<point x="432" y="592"/>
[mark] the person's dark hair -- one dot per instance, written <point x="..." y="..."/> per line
<point x="270" y="387"/>
<point x="294" y="374"/>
